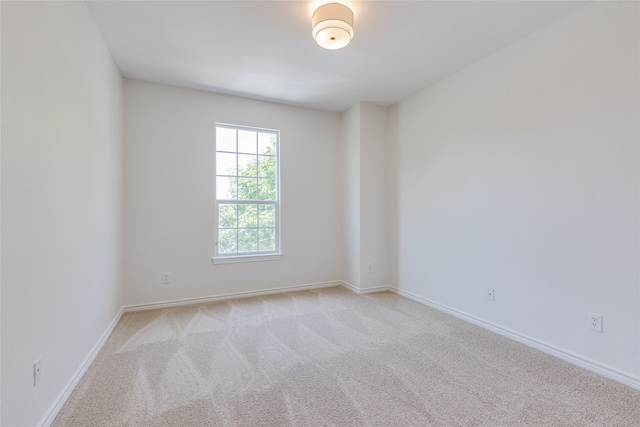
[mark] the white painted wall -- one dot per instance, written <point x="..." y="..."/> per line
<point x="364" y="167"/>
<point x="373" y="195"/>
<point x="521" y="173"/>
<point x="169" y="205"/>
<point x="61" y="199"/>
<point x="350" y="160"/>
<point x="393" y="201"/>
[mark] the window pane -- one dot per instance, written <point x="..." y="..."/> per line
<point x="225" y="164"/>
<point x="227" y="216"/>
<point x="247" y="165"/>
<point x="267" y="143"/>
<point x="267" y="216"/>
<point x="266" y="189"/>
<point x="267" y="166"/>
<point x="246" y="174"/>
<point x="225" y="139"/>
<point x="226" y="188"/>
<point x="247" y="188"/>
<point x="227" y="242"/>
<point x="247" y="141"/>
<point x="267" y="241"/>
<point x="247" y="216"/>
<point x="247" y="240"/>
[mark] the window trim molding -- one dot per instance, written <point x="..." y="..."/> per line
<point x="238" y="257"/>
<point x="269" y="256"/>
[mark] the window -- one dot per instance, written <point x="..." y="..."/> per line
<point x="247" y="194"/>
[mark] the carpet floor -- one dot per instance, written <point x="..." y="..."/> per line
<point x="328" y="357"/>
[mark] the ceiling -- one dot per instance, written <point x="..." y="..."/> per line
<point x="264" y="49"/>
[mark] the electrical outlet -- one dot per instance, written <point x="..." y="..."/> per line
<point x="166" y="278"/>
<point x="490" y="294"/>
<point x="370" y="268"/>
<point x="594" y="322"/>
<point x="37" y="372"/>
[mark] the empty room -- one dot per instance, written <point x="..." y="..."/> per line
<point x="316" y="213"/>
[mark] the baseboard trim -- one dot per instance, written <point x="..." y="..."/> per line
<point x="360" y="291"/>
<point x="54" y="409"/>
<point x="605" y="371"/>
<point x="234" y="295"/>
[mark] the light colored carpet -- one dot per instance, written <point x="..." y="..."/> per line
<point x="329" y="357"/>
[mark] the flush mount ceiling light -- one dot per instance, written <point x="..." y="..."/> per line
<point x="332" y="25"/>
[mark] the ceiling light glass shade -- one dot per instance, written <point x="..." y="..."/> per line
<point x="332" y="25"/>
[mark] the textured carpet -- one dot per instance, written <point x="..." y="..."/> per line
<point x="330" y="357"/>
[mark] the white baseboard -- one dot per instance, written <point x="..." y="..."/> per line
<point x="213" y="298"/>
<point x="574" y="359"/>
<point x="57" y="405"/>
<point x="360" y="291"/>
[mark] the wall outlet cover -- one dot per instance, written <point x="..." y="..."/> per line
<point x="490" y="294"/>
<point x="37" y="372"/>
<point x="594" y="322"/>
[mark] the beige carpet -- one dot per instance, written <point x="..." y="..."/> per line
<point x="329" y="357"/>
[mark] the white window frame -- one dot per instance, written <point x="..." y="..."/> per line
<point x="276" y="254"/>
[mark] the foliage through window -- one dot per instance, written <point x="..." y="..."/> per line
<point x="247" y="191"/>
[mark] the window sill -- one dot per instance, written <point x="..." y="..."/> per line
<point x="246" y="258"/>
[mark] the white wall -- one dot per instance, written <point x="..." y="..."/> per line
<point x="365" y="207"/>
<point x="61" y="199"/>
<point x="521" y="173"/>
<point x="373" y="195"/>
<point x="169" y="205"/>
<point x="350" y="160"/>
